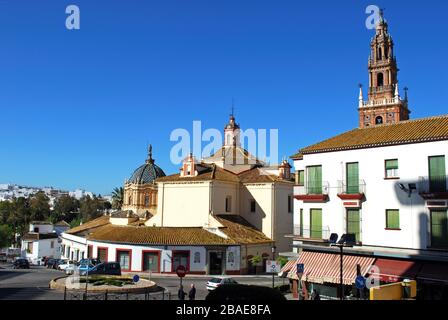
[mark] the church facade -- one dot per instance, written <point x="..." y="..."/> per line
<point x="226" y="214"/>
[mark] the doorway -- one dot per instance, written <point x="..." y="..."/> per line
<point x="150" y="261"/>
<point x="216" y="262"/>
<point x="180" y="258"/>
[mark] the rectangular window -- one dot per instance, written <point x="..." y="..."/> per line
<point x="437" y="174"/>
<point x="300" y="178"/>
<point x="439" y="228"/>
<point x="314" y="180"/>
<point x="124" y="259"/>
<point x="354" y="223"/>
<point x="228" y="204"/>
<point x="253" y="205"/>
<point x="301" y="223"/>
<point x="392" y="219"/>
<point x="29" y="247"/>
<point x="316" y="223"/>
<point x="391" y="167"/>
<point x="352" y="178"/>
<point x="290" y="204"/>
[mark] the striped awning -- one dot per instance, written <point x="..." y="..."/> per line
<point x="322" y="267"/>
<point x="289" y="265"/>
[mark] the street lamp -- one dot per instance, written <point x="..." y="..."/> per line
<point x="347" y="240"/>
<point x="273" y="259"/>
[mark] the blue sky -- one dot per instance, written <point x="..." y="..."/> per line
<point x="78" y="108"/>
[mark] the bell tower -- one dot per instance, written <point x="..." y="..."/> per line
<point x="384" y="104"/>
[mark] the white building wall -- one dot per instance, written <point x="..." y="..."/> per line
<point x="381" y="194"/>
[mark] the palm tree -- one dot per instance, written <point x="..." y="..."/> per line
<point x="117" y="198"/>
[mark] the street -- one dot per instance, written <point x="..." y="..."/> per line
<point x="32" y="284"/>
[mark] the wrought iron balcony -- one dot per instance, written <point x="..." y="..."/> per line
<point x="312" y="192"/>
<point x="351" y="190"/>
<point x="306" y="232"/>
<point x="433" y="187"/>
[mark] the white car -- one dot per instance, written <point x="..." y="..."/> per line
<point x="215" y="282"/>
<point x="67" y="264"/>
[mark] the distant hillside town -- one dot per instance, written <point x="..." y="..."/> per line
<point x="9" y="191"/>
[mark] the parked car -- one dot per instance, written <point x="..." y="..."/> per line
<point x="106" y="268"/>
<point x="89" y="261"/>
<point x="51" y="263"/>
<point x="21" y="263"/>
<point x="62" y="265"/>
<point x="216" y="282"/>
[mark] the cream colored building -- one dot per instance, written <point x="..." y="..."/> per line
<point x="213" y="216"/>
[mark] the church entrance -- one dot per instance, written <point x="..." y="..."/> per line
<point x="216" y="262"/>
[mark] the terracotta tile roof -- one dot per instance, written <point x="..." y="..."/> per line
<point x="95" y="223"/>
<point x="208" y="173"/>
<point x="258" y="175"/>
<point x="405" y="132"/>
<point x="157" y="235"/>
<point x="240" y="230"/>
<point x="33" y="236"/>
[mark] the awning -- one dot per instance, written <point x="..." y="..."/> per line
<point x="434" y="273"/>
<point x="389" y="270"/>
<point x="287" y="267"/>
<point x="322" y="267"/>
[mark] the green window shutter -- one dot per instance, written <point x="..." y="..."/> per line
<point x="301" y="181"/>
<point x="391" y="164"/>
<point x="301" y="222"/>
<point x="392" y="219"/>
<point x="354" y="223"/>
<point x="437" y="174"/>
<point x="439" y="228"/>
<point x="314" y="180"/>
<point x="352" y="178"/>
<point x="316" y="223"/>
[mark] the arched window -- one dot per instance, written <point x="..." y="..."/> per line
<point x="379" y="120"/>
<point x="380" y="80"/>
<point x="380" y="54"/>
<point x="130" y="200"/>
<point x="197" y="257"/>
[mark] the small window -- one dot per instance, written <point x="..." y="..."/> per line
<point x="229" y="204"/>
<point x="393" y="219"/>
<point x="300" y="178"/>
<point x="379" y="120"/>
<point x="253" y="205"/>
<point x="391" y="168"/>
<point x="231" y="257"/>
<point x="52" y="244"/>
<point x="197" y="257"/>
<point x="147" y="200"/>
<point x="290" y="204"/>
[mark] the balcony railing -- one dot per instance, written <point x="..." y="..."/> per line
<point x="433" y="185"/>
<point x="312" y="233"/>
<point x="358" y="187"/>
<point x="321" y="188"/>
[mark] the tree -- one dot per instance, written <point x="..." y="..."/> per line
<point x="6" y="235"/>
<point x="20" y="215"/>
<point x="40" y="207"/>
<point x="65" y="208"/>
<point x="90" y="208"/>
<point x="117" y="198"/>
<point x="5" y="211"/>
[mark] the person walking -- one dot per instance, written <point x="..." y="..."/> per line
<point x="181" y="293"/>
<point x="192" y="293"/>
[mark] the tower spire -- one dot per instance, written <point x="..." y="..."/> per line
<point x="150" y="159"/>
<point x="384" y="104"/>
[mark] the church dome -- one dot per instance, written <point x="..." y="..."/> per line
<point x="148" y="172"/>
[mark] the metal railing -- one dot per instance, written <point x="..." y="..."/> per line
<point x="308" y="232"/>
<point x="351" y="188"/>
<point x="124" y="295"/>
<point x="432" y="184"/>
<point x="311" y="188"/>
